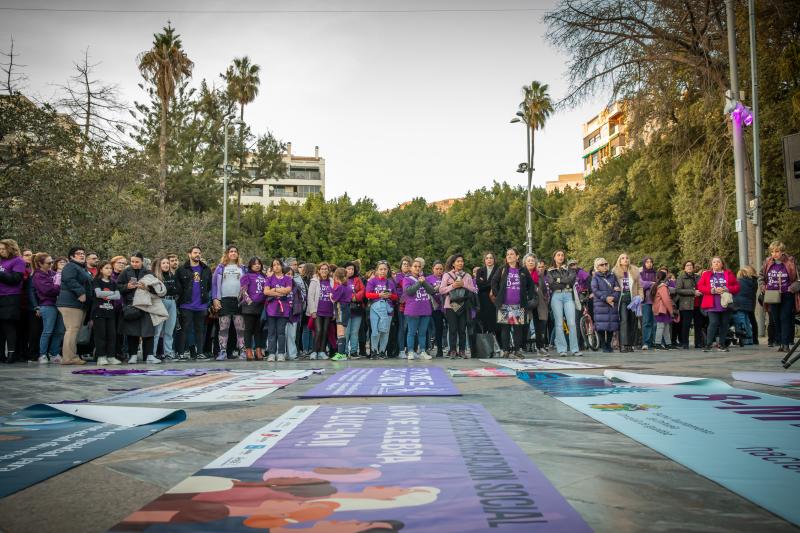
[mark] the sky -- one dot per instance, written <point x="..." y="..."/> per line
<point x="401" y="103"/>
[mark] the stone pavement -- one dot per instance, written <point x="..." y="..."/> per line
<point x="616" y="483"/>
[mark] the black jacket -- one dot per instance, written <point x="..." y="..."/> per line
<point x="485" y="281"/>
<point x="528" y="293"/>
<point x="560" y="278"/>
<point x="172" y="284"/>
<point x="185" y="281"/>
<point x="123" y="279"/>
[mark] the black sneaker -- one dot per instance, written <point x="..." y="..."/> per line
<point x="202" y="357"/>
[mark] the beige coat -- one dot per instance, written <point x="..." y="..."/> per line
<point x="151" y="303"/>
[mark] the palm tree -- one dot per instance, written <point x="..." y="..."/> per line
<point x="243" y="82"/>
<point x="165" y="65"/>
<point x="535" y="108"/>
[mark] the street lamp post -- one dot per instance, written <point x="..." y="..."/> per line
<point x="522" y="168"/>
<point x="225" y="170"/>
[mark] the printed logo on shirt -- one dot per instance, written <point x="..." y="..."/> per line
<point x="777" y="278"/>
<point x="196" y="278"/>
<point x="512" y="281"/>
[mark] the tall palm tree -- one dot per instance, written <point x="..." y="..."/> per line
<point x="243" y="82"/>
<point x="165" y="65"/>
<point x="535" y="108"/>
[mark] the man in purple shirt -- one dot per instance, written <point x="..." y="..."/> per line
<point x="194" y="285"/>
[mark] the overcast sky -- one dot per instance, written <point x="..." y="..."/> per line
<point x="401" y="104"/>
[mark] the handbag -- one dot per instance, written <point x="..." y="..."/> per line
<point x="131" y="313"/>
<point x="726" y="299"/>
<point x="772" y="296"/>
<point x="84" y="335"/>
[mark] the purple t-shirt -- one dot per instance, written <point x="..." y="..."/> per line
<point x="325" y="305"/>
<point x="513" y="287"/>
<point x="253" y="283"/>
<point x="12" y="264"/>
<point x="419" y="303"/>
<point x="717" y="281"/>
<point x="378" y="285"/>
<point x="279" y="306"/>
<point x="343" y="293"/>
<point x="197" y="303"/>
<point x="778" y="278"/>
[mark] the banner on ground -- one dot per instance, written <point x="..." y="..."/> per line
<point x="175" y="372"/>
<point x="542" y="364"/>
<point x="381" y="381"/>
<point x="218" y="387"/>
<point x="486" y="372"/>
<point x="746" y="441"/>
<point x="43" y="440"/>
<point x="424" y="468"/>
<point x="776" y="379"/>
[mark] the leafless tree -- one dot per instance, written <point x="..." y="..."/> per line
<point x="96" y="107"/>
<point x="13" y="79"/>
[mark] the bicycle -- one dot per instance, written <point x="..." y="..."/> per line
<point x="586" y="327"/>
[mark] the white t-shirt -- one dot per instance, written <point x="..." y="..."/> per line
<point x="230" y="281"/>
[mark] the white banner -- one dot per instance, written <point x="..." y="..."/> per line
<point x="114" y="414"/>
<point x="542" y="364"/>
<point x="776" y="379"/>
<point x="222" y="387"/>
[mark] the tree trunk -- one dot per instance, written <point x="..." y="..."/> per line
<point x="240" y="181"/>
<point x="162" y="152"/>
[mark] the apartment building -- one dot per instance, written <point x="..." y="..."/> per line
<point x="305" y="176"/>
<point x="604" y="137"/>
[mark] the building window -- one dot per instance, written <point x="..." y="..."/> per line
<point x="591" y="139"/>
<point x="293" y="191"/>
<point x="304" y="174"/>
<point x="253" y="191"/>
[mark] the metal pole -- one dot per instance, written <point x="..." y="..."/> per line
<point x="528" y="229"/>
<point x="756" y="156"/>
<point x="738" y="140"/>
<point x="225" y="191"/>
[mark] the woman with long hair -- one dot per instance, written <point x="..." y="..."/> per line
<point x="561" y="281"/>
<point x="628" y="277"/>
<point x="418" y="310"/>
<point x="381" y="291"/>
<point x="485" y="280"/>
<point x="320" y="308"/>
<point x="166" y="330"/>
<point x="46" y="292"/>
<point x="514" y="295"/>
<point x="437" y="317"/>
<point x="12" y="274"/>
<point x="225" y="289"/>
<point x="307" y="271"/>
<point x="714" y="283"/>
<point x="457" y="303"/>
<point x="253" y="298"/>
<point x="778" y="283"/>
<point x="278" y="288"/>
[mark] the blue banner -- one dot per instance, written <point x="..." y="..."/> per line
<point x="746" y="441"/>
<point x="41" y="441"/>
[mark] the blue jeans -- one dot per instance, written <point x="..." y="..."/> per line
<point x="741" y="322"/>
<point x="52" y="331"/>
<point x="351" y="334"/>
<point x="167" y="328"/>
<point x="417" y="330"/>
<point x="563" y="307"/>
<point x="379" y="318"/>
<point x="291" y="335"/>
<point x="307" y="337"/>
<point x="276" y="335"/>
<point x="401" y="332"/>
<point x="648" y="331"/>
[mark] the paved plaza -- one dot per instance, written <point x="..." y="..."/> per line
<point x="614" y="482"/>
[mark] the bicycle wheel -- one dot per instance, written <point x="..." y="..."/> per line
<point x="590" y="337"/>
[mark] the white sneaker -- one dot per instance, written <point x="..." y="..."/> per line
<point x="271" y="358"/>
<point x="403" y="355"/>
<point x="281" y="357"/>
<point x="645" y="347"/>
<point x="153" y="360"/>
<point x="322" y="356"/>
<point x="56" y="360"/>
<point x="114" y="361"/>
<point x="312" y="356"/>
<point x="132" y="360"/>
<point x="424" y="355"/>
<point x="409" y="356"/>
<point x="578" y="353"/>
<point x="43" y="360"/>
<point x="102" y="361"/>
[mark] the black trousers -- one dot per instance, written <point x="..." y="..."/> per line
<point x="517" y="332"/>
<point x="627" y="322"/>
<point x="438" y="331"/>
<point x="105" y="336"/>
<point x="253" y="331"/>
<point x="133" y="346"/>
<point x="193" y="324"/>
<point x="753" y="324"/>
<point x="718" y="325"/>
<point x="321" y="324"/>
<point x="605" y="339"/>
<point x="541" y="334"/>
<point x="8" y="335"/>
<point x="457" y="329"/>
<point x="691" y="318"/>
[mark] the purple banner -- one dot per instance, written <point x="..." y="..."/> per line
<point x="349" y="469"/>
<point x="396" y="381"/>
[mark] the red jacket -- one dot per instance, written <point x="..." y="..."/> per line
<point x="704" y="286"/>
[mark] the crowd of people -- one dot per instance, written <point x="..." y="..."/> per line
<point x="126" y="310"/>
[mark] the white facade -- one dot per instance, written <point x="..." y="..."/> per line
<point x="305" y="176"/>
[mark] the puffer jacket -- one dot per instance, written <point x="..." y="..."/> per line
<point x="686" y="284"/>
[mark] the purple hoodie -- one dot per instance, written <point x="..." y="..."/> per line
<point x="646" y="279"/>
<point x="45" y="287"/>
<point x="253" y="283"/>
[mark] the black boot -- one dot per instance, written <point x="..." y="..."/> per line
<point x="9" y="357"/>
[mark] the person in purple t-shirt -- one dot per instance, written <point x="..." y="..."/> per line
<point x="514" y="293"/>
<point x="194" y="278"/>
<point x="253" y="298"/>
<point x="418" y="309"/>
<point x="342" y="296"/>
<point x="46" y="291"/>
<point x="320" y="308"/>
<point x="435" y="280"/>
<point x="12" y="273"/>
<point x="779" y="276"/>
<point x="278" y="288"/>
